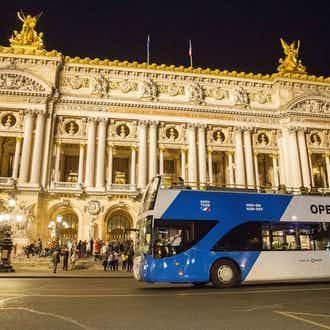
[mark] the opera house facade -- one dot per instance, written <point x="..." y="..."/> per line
<point x="81" y="138"/>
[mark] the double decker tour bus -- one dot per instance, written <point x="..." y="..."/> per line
<point x="231" y="237"/>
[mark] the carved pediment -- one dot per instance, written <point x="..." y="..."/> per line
<point x="18" y="82"/>
<point x="312" y="105"/>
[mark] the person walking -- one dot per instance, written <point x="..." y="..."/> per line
<point x="73" y="259"/>
<point x="65" y="259"/>
<point x="56" y="260"/>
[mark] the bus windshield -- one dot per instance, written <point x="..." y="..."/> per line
<point x="150" y="195"/>
<point x="143" y="245"/>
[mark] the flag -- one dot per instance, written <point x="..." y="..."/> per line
<point x="148" y="49"/>
<point x="190" y="53"/>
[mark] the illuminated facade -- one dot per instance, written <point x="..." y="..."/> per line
<point x="81" y="138"/>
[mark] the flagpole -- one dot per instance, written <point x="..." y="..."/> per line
<point x="148" y="49"/>
<point x="190" y="54"/>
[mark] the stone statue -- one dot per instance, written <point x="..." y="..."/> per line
<point x="101" y="86"/>
<point x="242" y="97"/>
<point x="28" y="36"/>
<point x="291" y="62"/>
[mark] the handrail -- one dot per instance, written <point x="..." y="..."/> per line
<point x="280" y="189"/>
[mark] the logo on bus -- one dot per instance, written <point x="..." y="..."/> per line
<point x="205" y="206"/>
<point x="254" y="207"/>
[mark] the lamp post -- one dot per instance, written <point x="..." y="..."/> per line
<point x="9" y="219"/>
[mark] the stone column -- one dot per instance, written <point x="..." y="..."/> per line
<point x="202" y="155"/>
<point x="306" y="173"/>
<point x="231" y="168"/>
<point x="152" y="150"/>
<point x="287" y="156"/>
<point x="81" y="163"/>
<point x="133" y="165"/>
<point x="183" y="164"/>
<point x="192" y="156"/>
<point x="296" y="179"/>
<point x="239" y="159"/>
<point x="48" y="138"/>
<point x="250" y="178"/>
<point x="90" y="161"/>
<point x="37" y="148"/>
<point x="161" y="160"/>
<point x="57" y="162"/>
<point x="210" y="167"/>
<point x="281" y="159"/>
<point x="102" y="126"/>
<point x="110" y="162"/>
<point x="17" y="156"/>
<point x="27" y="145"/>
<point x="256" y="168"/>
<point x="275" y="171"/>
<point x="327" y="162"/>
<point x="142" y="178"/>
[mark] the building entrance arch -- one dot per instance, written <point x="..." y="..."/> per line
<point x="117" y="225"/>
<point x="63" y="225"/>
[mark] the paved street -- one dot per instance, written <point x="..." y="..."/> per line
<point x="123" y="303"/>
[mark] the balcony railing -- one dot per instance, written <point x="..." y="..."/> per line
<point x="8" y="182"/>
<point x="121" y="187"/>
<point x="66" y="186"/>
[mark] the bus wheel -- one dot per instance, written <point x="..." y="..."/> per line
<point x="225" y="274"/>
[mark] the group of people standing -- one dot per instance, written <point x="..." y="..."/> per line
<point x="118" y="255"/>
<point x="114" y="255"/>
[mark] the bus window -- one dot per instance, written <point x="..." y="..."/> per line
<point x="173" y="237"/>
<point x="245" y="237"/>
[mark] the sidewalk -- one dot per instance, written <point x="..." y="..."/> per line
<point x="68" y="274"/>
<point x="36" y="267"/>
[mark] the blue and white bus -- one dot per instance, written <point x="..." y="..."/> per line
<point x="231" y="237"/>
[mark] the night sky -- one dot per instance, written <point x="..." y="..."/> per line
<point x="228" y="35"/>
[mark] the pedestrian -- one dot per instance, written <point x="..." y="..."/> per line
<point x="73" y="259"/>
<point x="39" y="247"/>
<point x="110" y="261"/>
<point x="56" y="260"/>
<point x="91" y="246"/>
<point x="124" y="259"/>
<point x="130" y="259"/>
<point x="65" y="258"/>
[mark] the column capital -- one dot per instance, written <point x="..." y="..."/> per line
<point x="103" y="120"/>
<point x="29" y="112"/>
<point x="209" y="150"/>
<point x="19" y="138"/>
<point x="192" y="125"/>
<point x="248" y="129"/>
<point x="237" y="129"/>
<point x="230" y="152"/>
<point x="201" y="126"/>
<point x="293" y="129"/>
<point x="39" y="113"/>
<point x="153" y="123"/>
<point x="92" y="120"/>
<point x="143" y="123"/>
<point x="161" y="148"/>
<point x="83" y="145"/>
<point x="134" y="148"/>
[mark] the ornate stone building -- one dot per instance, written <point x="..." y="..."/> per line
<point x="80" y="138"/>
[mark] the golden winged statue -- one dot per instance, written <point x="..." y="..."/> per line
<point x="291" y="63"/>
<point x="28" y="37"/>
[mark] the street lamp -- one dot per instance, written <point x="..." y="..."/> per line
<point x="11" y="218"/>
